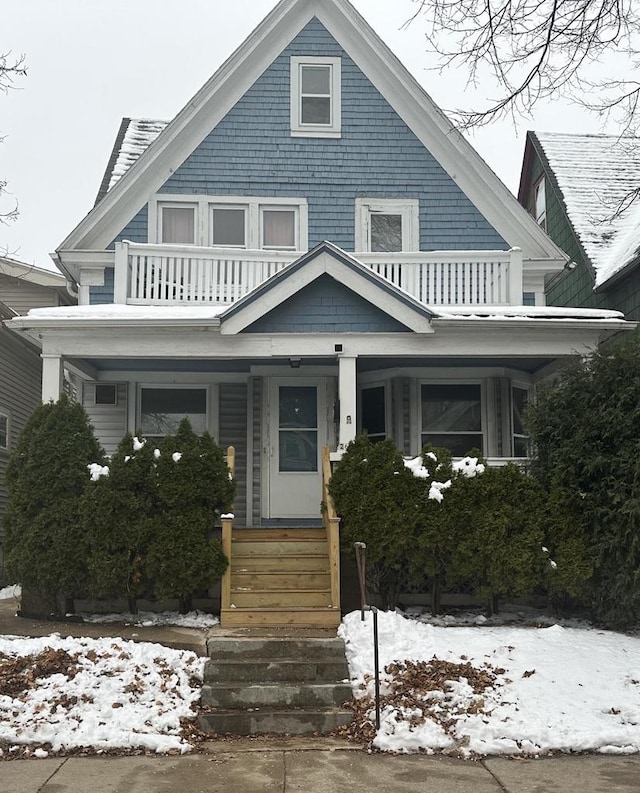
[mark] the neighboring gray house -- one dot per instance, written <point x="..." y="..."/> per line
<point x="308" y="249"/>
<point x="22" y="287"/>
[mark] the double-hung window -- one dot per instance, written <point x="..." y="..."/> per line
<point x="452" y="417"/>
<point x="316" y="97"/>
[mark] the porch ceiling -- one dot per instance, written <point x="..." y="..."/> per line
<point x="522" y="364"/>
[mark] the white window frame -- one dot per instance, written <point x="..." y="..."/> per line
<point x="252" y="204"/>
<point x="172" y="386"/>
<point x="162" y="205"/>
<point x="483" y="407"/>
<point x="5" y="415"/>
<point x="540" y="207"/>
<point x="407" y="208"/>
<point x="334" y="128"/>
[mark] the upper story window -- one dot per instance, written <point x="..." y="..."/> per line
<point x="178" y="224"/>
<point x="316" y="97"/>
<point x="229" y="226"/>
<point x="540" y="203"/>
<point x="230" y="222"/>
<point x="386" y="225"/>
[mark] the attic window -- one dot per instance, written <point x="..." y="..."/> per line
<point x="315" y="97"/>
<point x="540" y="203"/>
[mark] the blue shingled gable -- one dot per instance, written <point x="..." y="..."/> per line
<point x="251" y="152"/>
<point x="326" y="306"/>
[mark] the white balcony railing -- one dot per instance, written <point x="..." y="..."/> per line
<point x="170" y="274"/>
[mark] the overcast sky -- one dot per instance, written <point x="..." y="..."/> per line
<point x="92" y="62"/>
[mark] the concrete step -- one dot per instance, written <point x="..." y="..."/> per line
<point x="254" y="670"/>
<point x="227" y="647"/>
<point x="262" y="695"/>
<point x="280" y="721"/>
<point x="281" y="617"/>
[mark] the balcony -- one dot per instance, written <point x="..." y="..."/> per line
<point x="172" y="274"/>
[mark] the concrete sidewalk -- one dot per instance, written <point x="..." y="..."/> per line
<point x="247" y="770"/>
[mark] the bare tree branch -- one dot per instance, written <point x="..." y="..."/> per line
<point x="10" y="69"/>
<point x="532" y="49"/>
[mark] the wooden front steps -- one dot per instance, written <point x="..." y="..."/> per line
<point x="280" y="577"/>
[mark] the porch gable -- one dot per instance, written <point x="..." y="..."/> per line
<point x="326" y="306"/>
<point x="363" y="300"/>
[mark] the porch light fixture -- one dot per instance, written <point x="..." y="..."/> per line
<point x="294" y="363"/>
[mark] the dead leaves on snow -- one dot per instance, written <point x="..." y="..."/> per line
<point x="424" y="690"/>
<point x="18" y="675"/>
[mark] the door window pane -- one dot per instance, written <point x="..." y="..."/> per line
<point x="178" y="225"/>
<point x="162" y="409"/>
<point x="374" y="412"/>
<point x="452" y="417"/>
<point x="228" y="227"/>
<point x="386" y="232"/>
<point x="298" y="428"/>
<point x="279" y="228"/>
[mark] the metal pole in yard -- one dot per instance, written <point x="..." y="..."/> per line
<point x="376" y="664"/>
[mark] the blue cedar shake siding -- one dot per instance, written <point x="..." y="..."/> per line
<point x="251" y="152"/>
<point x="326" y="306"/>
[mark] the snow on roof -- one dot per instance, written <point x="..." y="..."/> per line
<point x="595" y="174"/>
<point x="134" y="136"/>
<point x="527" y="312"/>
<point x="116" y="311"/>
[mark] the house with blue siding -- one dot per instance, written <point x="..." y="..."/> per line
<point x="308" y="250"/>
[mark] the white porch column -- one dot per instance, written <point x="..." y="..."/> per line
<point x="51" y="377"/>
<point x="121" y="273"/>
<point x="515" y="277"/>
<point x="348" y="395"/>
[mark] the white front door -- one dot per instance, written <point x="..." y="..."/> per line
<point x="297" y="432"/>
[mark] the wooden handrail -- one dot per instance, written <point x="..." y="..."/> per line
<point x="332" y="527"/>
<point x="227" y="534"/>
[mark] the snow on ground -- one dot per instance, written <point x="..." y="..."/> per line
<point x="110" y="694"/>
<point x="9" y="592"/>
<point x="194" y="619"/>
<point x="498" y="690"/>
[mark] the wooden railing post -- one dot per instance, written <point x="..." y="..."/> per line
<point x="121" y="273"/>
<point x="332" y="527"/>
<point x="227" y="534"/>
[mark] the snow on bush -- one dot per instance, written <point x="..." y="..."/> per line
<point x="96" y="471"/>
